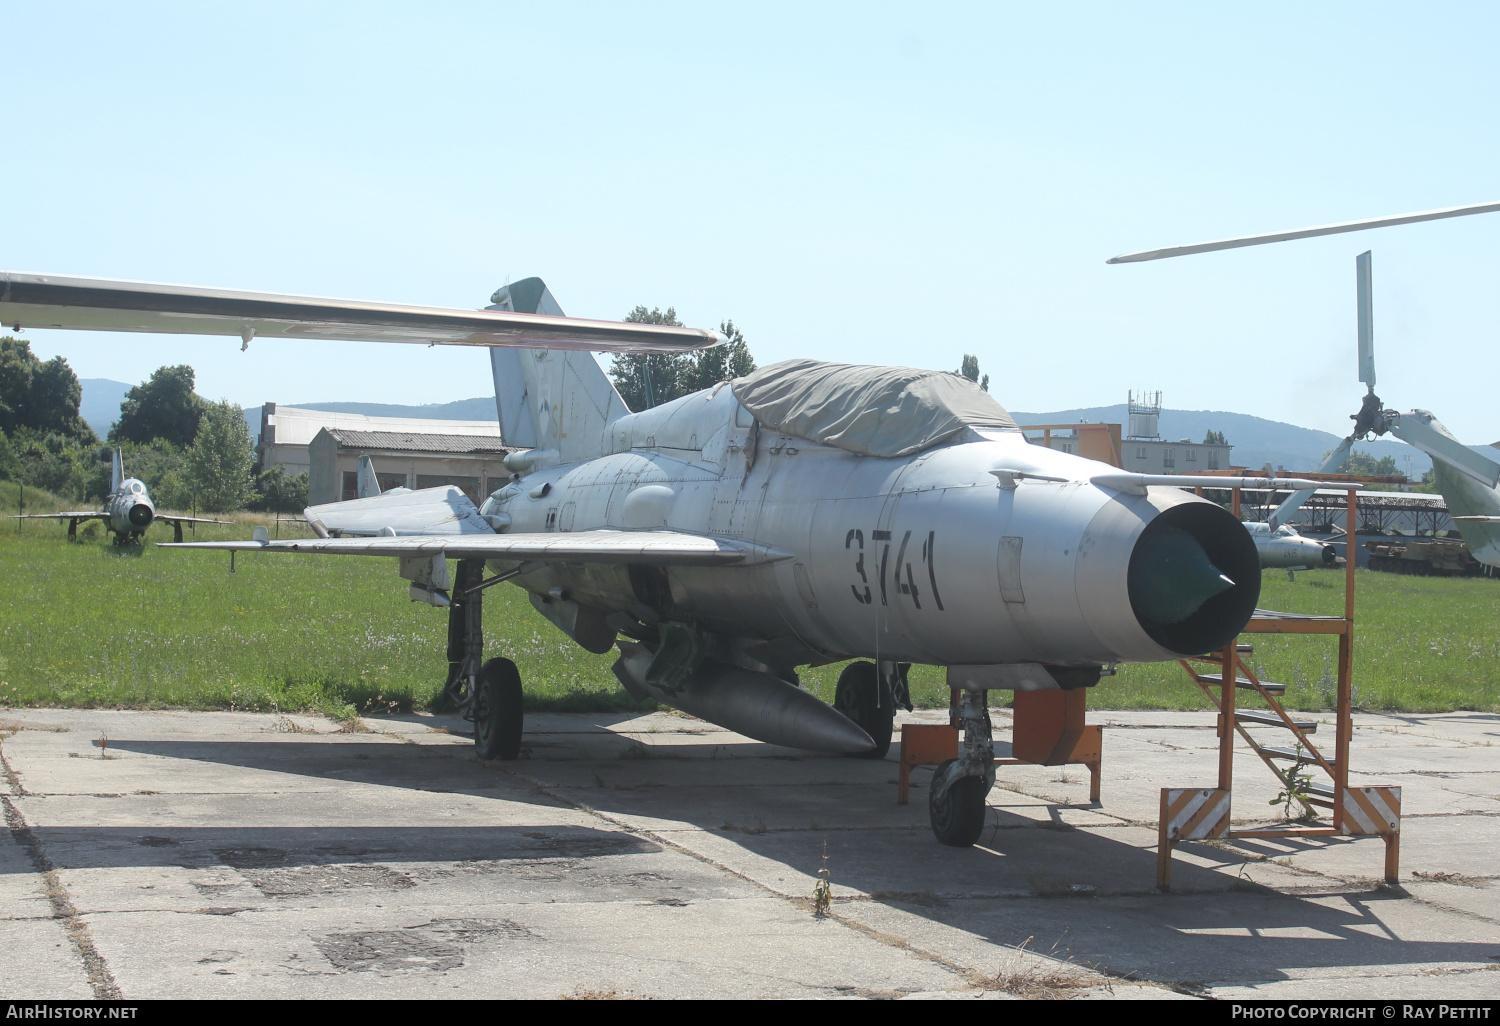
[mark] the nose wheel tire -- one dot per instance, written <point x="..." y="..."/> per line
<point x="858" y="696"/>
<point x="958" y="818"/>
<point x="498" y="713"/>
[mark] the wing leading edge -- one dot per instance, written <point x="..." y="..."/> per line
<point x="654" y="548"/>
<point x="29" y="300"/>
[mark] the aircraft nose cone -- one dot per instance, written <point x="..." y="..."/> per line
<point x="1171" y="576"/>
<point x="141" y="514"/>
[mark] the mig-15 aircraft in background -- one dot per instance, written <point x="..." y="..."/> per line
<point x="807" y="513"/>
<point x="128" y="510"/>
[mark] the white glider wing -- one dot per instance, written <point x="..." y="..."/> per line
<point x="30" y="300"/>
<point x="652" y="548"/>
<point x="443" y="510"/>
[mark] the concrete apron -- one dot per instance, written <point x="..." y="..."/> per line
<point x="164" y="854"/>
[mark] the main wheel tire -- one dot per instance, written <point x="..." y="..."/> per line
<point x="958" y="819"/>
<point x="857" y="696"/>
<point x="498" y="713"/>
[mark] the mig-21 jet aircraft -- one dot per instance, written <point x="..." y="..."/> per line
<point x="128" y="511"/>
<point x="807" y="513"/>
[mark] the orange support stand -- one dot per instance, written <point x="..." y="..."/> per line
<point x="924" y="744"/>
<point x="1047" y="730"/>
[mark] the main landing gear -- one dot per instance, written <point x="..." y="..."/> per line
<point x="486" y="693"/>
<point x="868" y="694"/>
<point x="956" y="803"/>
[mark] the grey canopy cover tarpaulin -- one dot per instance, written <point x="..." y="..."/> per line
<point x="872" y="411"/>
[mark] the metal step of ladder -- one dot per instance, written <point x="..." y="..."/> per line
<point x="1243" y="683"/>
<point x="1270" y="719"/>
<point x="1290" y="754"/>
<point x="1320" y="794"/>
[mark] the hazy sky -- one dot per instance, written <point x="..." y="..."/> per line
<point x="897" y="184"/>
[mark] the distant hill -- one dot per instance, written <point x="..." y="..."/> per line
<point x="1256" y="441"/>
<point x="100" y="406"/>
<point x="482" y="408"/>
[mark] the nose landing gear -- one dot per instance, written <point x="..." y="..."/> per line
<point x="956" y="803"/>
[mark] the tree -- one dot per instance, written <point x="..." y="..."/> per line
<point x="10" y="466"/>
<point x="163" y="407"/>
<point x="279" y="493"/>
<point x="707" y="367"/>
<point x="159" y="464"/>
<point x="645" y="380"/>
<point x="969" y="368"/>
<point x="1427" y="484"/>
<point x="1365" y="465"/>
<point x="40" y="396"/>
<point x="1215" y="438"/>
<point x="220" y="462"/>
<point x="50" y="460"/>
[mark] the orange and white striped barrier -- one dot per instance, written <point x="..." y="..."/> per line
<point x="1372" y="810"/>
<point x="1188" y="814"/>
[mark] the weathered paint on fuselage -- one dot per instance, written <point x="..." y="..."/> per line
<point x="922" y="558"/>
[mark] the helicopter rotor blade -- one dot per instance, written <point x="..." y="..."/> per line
<point x="1303" y="233"/>
<point x="1363" y="273"/>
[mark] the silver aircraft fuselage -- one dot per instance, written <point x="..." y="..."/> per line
<point x="1285" y="548"/>
<point x="929" y="558"/>
<point x="130" y="509"/>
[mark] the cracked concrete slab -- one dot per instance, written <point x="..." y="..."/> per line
<point x="239" y="854"/>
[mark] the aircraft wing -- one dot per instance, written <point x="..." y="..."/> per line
<point x="173" y="518"/>
<point x="30" y="300"/>
<point x="651" y="548"/>
<point x="88" y="514"/>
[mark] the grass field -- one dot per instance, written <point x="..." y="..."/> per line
<point x="90" y="625"/>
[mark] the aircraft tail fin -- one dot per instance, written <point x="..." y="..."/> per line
<point x="550" y="399"/>
<point x="117" y="472"/>
<point x="369" y="484"/>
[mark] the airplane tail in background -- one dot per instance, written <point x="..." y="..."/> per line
<point x="117" y="472"/>
<point x="369" y="484"/>
<point x="557" y="399"/>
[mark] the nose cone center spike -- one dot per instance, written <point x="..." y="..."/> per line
<point x="1171" y="576"/>
<point x="140" y="514"/>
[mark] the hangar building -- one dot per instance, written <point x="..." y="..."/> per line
<point x="407" y="451"/>
<point x="406" y="459"/>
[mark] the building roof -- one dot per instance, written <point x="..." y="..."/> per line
<point x="417" y="441"/>
<point x="292" y="425"/>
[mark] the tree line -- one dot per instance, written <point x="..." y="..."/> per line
<point x="645" y="380"/>
<point x="188" y="451"/>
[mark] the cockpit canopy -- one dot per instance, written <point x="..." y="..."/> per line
<point x="871" y="411"/>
